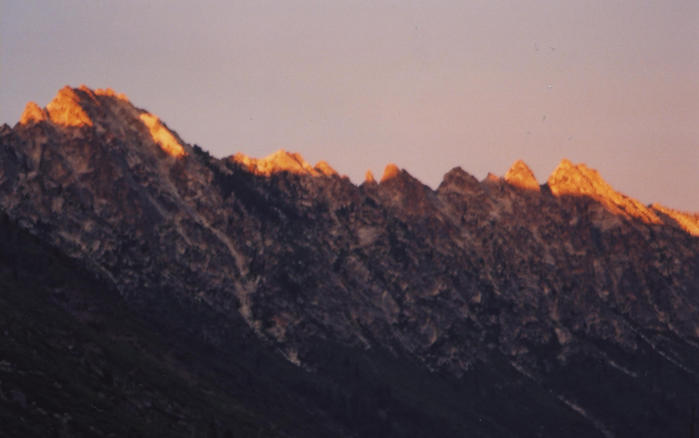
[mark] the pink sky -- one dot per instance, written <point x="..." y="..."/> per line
<point x="428" y="85"/>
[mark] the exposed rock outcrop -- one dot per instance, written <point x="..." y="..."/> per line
<point x="574" y="303"/>
<point x="282" y="161"/>
<point x="520" y="175"/>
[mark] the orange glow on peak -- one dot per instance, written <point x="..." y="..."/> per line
<point x="391" y="171"/>
<point x="111" y="93"/>
<point x="369" y="177"/>
<point x="580" y="180"/>
<point x="102" y="92"/>
<point x="282" y="161"/>
<point x="161" y="135"/>
<point x="65" y="109"/>
<point x="689" y="222"/>
<point x="520" y="175"/>
<point x="69" y="107"/>
<point x="324" y="168"/>
<point x="33" y="113"/>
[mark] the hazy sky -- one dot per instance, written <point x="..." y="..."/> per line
<point x="428" y="85"/>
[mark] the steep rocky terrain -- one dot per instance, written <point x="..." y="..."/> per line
<point x="482" y="308"/>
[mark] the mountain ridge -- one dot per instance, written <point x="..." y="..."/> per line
<point x="566" y="178"/>
<point x="572" y="302"/>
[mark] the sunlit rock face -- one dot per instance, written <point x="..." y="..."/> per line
<point x="569" y="179"/>
<point x="107" y="112"/>
<point x="688" y="221"/>
<point x="520" y="175"/>
<point x="390" y="172"/>
<point x="32" y="114"/>
<point x="282" y="161"/>
<point x="65" y="109"/>
<point x="161" y="135"/>
<point x="573" y="301"/>
<point x="369" y="177"/>
<point x="323" y="168"/>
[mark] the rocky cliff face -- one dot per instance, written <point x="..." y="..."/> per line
<point x="524" y="310"/>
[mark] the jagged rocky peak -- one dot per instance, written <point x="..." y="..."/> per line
<point x="399" y="189"/>
<point x="71" y="106"/>
<point x="390" y="172"/>
<point x="578" y="180"/>
<point x="282" y="161"/>
<point x="325" y="169"/>
<point x="520" y="175"/>
<point x="458" y="180"/>
<point x="67" y="109"/>
<point x="491" y="179"/>
<point x="33" y="113"/>
<point x="395" y="178"/>
<point x="105" y="110"/>
<point x="369" y="178"/>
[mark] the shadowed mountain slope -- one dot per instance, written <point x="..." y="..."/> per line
<point x="493" y="308"/>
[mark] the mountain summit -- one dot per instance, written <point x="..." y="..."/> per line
<point x="106" y="112"/>
<point x="69" y="107"/>
<point x="520" y="175"/>
<point x="569" y="179"/>
<point x="283" y="161"/>
<point x="149" y="289"/>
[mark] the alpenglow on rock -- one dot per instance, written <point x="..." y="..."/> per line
<point x="279" y="299"/>
<point x="520" y="175"/>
